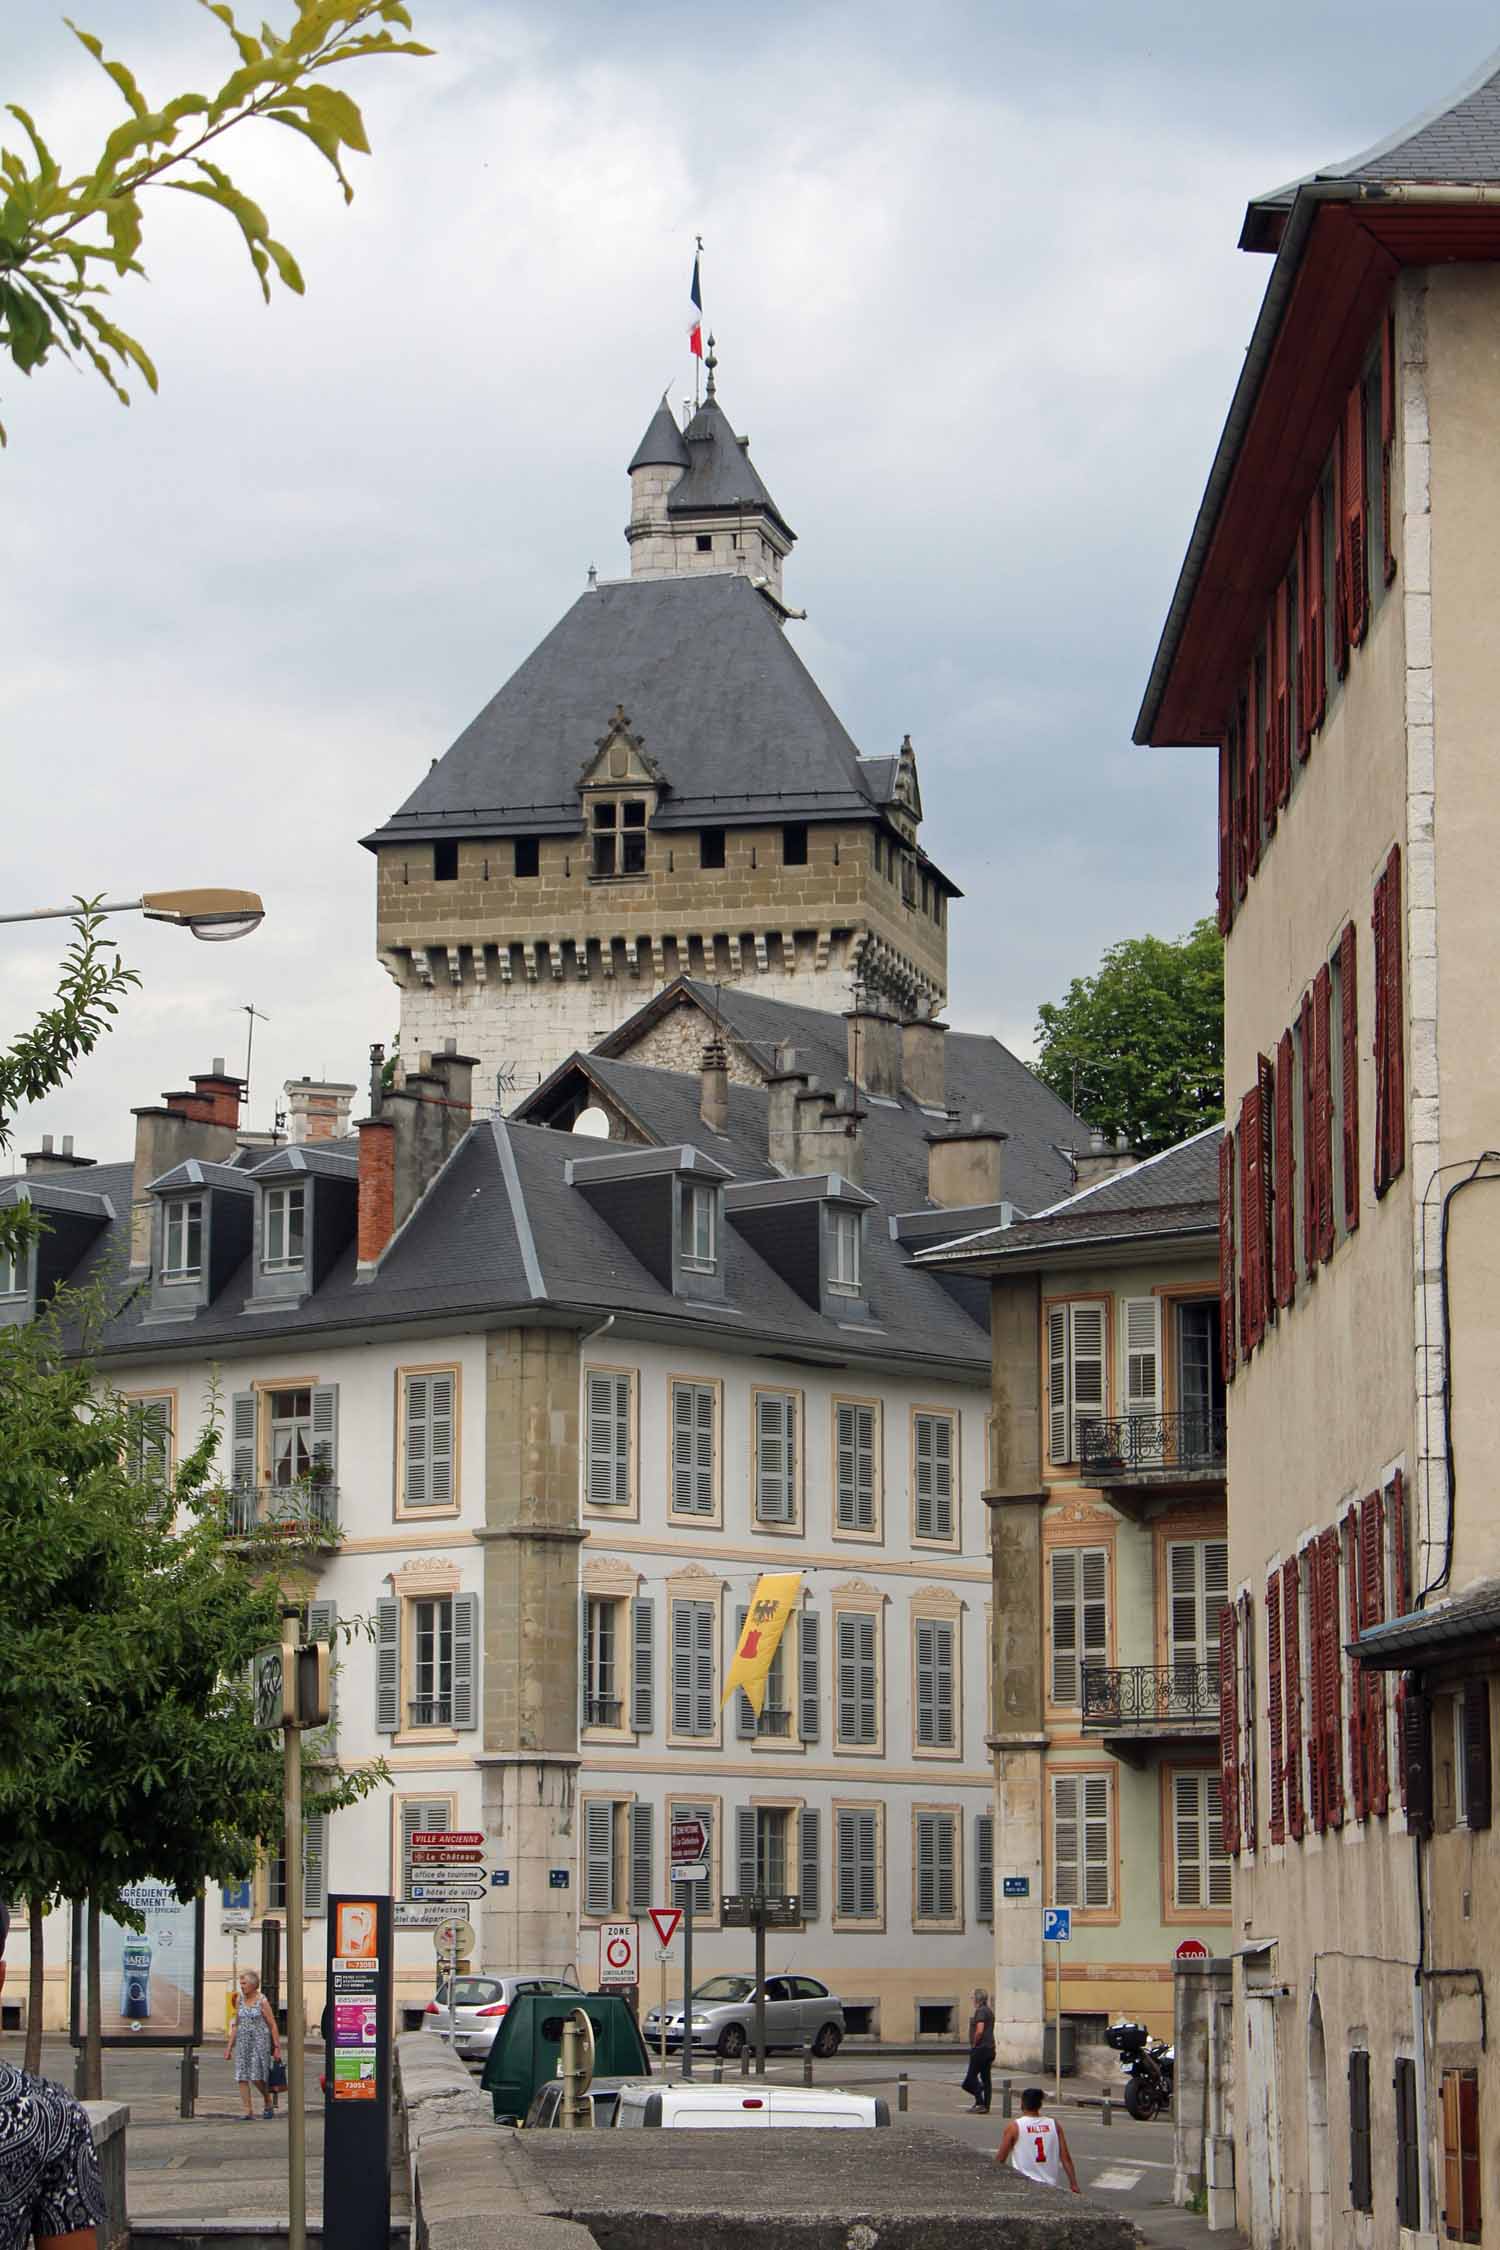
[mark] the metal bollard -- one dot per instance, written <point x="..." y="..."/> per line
<point x="1005" y="2103"/>
<point x="1105" y="2117"/>
<point x="187" y="2084"/>
<point x="745" y="2062"/>
<point x="903" y="2089"/>
<point x="807" y="2077"/>
<point x="718" y="2074"/>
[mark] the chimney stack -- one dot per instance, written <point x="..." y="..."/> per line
<point x="783" y="1092"/>
<point x="1104" y="1160"/>
<point x="830" y="1135"/>
<point x="875" y="1052"/>
<point x="203" y="1123"/>
<point x="713" y="1096"/>
<point x="48" y="1159"/>
<point x="418" y="1123"/>
<point x="963" y="1164"/>
<point x="923" y="1060"/>
<point x="318" y="1109"/>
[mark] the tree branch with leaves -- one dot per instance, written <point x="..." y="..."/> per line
<point x="1138" y="1048"/>
<point x="62" y="240"/>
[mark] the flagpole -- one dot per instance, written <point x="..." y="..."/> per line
<point x="697" y="357"/>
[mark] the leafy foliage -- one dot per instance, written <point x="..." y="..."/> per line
<point x="60" y="239"/>
<point x="1138" y="1048"/>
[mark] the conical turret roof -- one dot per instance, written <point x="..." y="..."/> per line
<point x="662" y="446"/>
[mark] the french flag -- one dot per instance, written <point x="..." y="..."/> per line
<point x="695" y="324"/>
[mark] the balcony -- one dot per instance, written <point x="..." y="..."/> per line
<point x="299" y="1515"/>
<point x="602" y="1710"/>
<point x="1153" y="1453"/>
<point x="775" y="1723"/>
<point x="1142" y="1708"/>
<point x="430" y="1711"/>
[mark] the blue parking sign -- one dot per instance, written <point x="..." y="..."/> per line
<point x="1057" y="1925"/>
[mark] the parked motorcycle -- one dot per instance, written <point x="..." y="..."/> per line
<point x="1148" y="2065"/>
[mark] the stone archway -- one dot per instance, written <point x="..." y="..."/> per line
<point x="1317" y="2131"/>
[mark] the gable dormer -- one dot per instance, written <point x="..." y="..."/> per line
<point x="202" y="1222"/>
<point x="810" y="1230"/>
<point x="619" y="789"/>
<point x="667" y="1207"/>
<point x="71" y="1220"/>
<point x="306" y="1212"/>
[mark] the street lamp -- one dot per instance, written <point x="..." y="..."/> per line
<point x="214" y="916"/>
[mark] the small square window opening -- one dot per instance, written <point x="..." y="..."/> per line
<point x="705" y="543"/>
<point x="794" y="844"/>
<point x="445" y="863"/>
<point x="528" y="860"/>
<point x="710" y="847"/>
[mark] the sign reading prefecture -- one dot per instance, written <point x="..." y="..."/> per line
<point x="151" y="1979"/>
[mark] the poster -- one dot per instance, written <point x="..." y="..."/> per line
<point x="356" y="2001"/>
<point x="151" y="1980"/>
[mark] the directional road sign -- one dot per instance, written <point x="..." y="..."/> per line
<point x="442" y="1892"/>
<point x="1057" y="1925"/>
<point x="450" y="1839"/>
<point x="619" y="1954"/>
<point x="698" y="1874"/>
<point x="666" y="1920"/>
<point x="689" y="1841"/>
<point x="429" y="1855"/>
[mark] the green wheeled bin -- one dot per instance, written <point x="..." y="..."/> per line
<point x="528" y="2046"/>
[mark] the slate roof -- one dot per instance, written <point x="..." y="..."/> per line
<point x="721" y="474"/>
<point x="1463" y="1624"/>
<point x="709" y="681"/>
<point x="1167" y="1196"/>
<point x="663" y="445"/>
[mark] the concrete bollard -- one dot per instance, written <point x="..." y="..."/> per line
<point x="718" y="2074"/>
<point x="903" y="2090"/>
<point x="1105" y="2113"/>
<point x="1005" y="2101"/>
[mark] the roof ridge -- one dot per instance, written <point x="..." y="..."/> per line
<point x="1113" y="1179"/>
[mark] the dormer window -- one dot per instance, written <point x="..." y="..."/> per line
<point x="700" y="1228"/>
<point x="182" y="1239"/>
<point x="283" y="1233"/>
<point x="620" y="836"/>
<point x="843" y="1252"/>
<point x="13" y="1273"/>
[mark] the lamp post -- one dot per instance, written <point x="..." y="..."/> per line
<point x="213" y="915"/>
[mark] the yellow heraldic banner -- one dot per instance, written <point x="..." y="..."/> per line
<point x="771" y="1604"/>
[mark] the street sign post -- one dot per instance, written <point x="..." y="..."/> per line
<point x="1057" y="1931"/>
<point x="665" y="1920"/>
<point x="760" y="1911"/>
<point x="689" y="1865"/>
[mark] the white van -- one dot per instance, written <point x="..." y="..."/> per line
<point x="746" y="2107"/>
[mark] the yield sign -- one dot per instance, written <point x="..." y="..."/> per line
<point x="666" y="1919"/>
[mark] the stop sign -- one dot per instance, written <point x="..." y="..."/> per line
<point x="1192" y="1949"/>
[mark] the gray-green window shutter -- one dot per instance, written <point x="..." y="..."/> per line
<point x="440" y="1488"/>
<point x="325" y="1431"/>
<point x="705" y="1400"/>
<point x="465" y="1659"/>
<point x="705" y="1625"/>
<point x="947" y="1865"/>
<point x="848" y="1679"/>
<point x="809" y="1629"/>
<point x="598" y="1857"/>
<point x="682" y="1667"/>
<point x="419" y="1815"/>
<point x="641" y="1890"/>
<point x="744" y="1715"/>
<point x="867" y="1840"/>
<point x="776" y="1469"/>
<point x="845" y="1868"/>
<point x="387" y="1666"/>
<point x="943" y="1682"/>
<point x="927" y="1866"/>
<point x="315" y="1864"/>
<point x="642" y="1664"/>
<point x="583" y="1659"/>
<point x="322" y="1625"/>
<point x="242" y="1441"/>
<point x="984" y="1867"/>
<point x="809" y="1838"/>
<point x="926" y="1683"/>
<point x="744" y="1846"/>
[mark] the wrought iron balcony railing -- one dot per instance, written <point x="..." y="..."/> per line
<point x="1148" y="1696"/>
<point x="773" y="1722"/>
<point x="308" y="1512"/>
<point x="1139" y="1445"/>
<point x="602" y="1710"/>
<point x="430" y="1711"/>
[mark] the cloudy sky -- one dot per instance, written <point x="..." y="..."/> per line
<point x="973" y="276"/>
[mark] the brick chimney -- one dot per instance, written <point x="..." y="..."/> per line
<point x="202" y="1122"/>
<point x="48" y="1159"/>
<point x="713" y="1095"/>
<point x="875" y="1045"/>
<point x="963" y="1164"/>
<point x="924" y="1072"/>
<point x="317" y="1109"/>
<point x="414" y="1127"/>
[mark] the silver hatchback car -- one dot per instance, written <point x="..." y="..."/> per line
<point x="800" y="2012"/>
<point x="481" y="2004"/>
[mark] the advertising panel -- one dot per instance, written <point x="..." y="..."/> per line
<point x="151" y="1980"/>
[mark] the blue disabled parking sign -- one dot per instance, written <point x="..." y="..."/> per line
<point x="1057" y="1925"/>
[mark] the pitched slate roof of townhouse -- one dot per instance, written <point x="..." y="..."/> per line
<point x="1169" y="1195"/>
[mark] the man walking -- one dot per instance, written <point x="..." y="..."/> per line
<point x="1035" y="2145"/>
<point x="981" y="2054"/>
<point x="50" y="2190"/>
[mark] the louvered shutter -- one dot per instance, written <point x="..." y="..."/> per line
<point x="1387" y="432"/>
<point x="420" y="1815"/>
<point x="775" y="1466"/>
<point x="682" y="1449"/>
<point x="1098" y="1873"/>
<point x="242" y="1441"/>
<point x="1356" y="1720"/>
<point x="1340" y="562"/>
<point x="1478" y="1766"/>
<point x="598" y="1856"/>
<point x="926" y="1669"/>
<point x="1323" y="1108"/>
<point x="937" y="1887"/>
<point x="1057" y="1384"/>
<point x="1395" y="1022"/>
<point x="585" y="1663"/>
<point x="322" y="1625"/>
<point x="1226" y="1255"/>
<point x="1307" y="1040"/>
<point x="933" y="1450"/>
<point x="744" y="1847"/>
<point x="1093" y="1563"/>
<point x="1286" y="686"/>
<point x="1249" y="1707"/>
<point x="1379" y="925"/>
<point x="1187" y="1840"/>
<point x="809" y="1695"/>
<point x="1226" y="834"/>
<point x="1291" y="1694"/>
<point x="1086" y="1325"/>
<point x="1229" y="1729"/>
<point x="465" y="1660"/>
<point x="682" y="1668"/>
<point x="810" y="1861"/>
<point x="1265" y="1247"/>
<point x="1274" y="1675"/>
<point x="1067" y="1840"/>
<point x="693" y="1449"/>
<point x="608" y="1447"/>
<point x="855" y="1439"/>
<point x="744" y="1710"/>
<point x="642" y="1664"/>
<point x="1142" y="1319"/>
<point x="1349" y="1062"/>
<point x="705" y="1631"/>
<point x="1220" y="1875"/>
<point x="1066" y="1687"/>
<point x="1317" y="642"/>
<point x="1356" y="518"/>
<point x="866" y="1704"/>
<point x="1332" y="1680"/>
<point x="1400" y="1565"/>
<point x="315" y="1865"/>
<point x="1253" y="781"/>
<point x="946" y="1735"/>
<point x="325" y="1432"/>
<point x="417" y="1492"/>
<point x="1372" y="1612"/>
<point x="642" y="1879"/>
<point x="387" y="1666"/>
<point x="984" y="1867"/>
<point x="1240" y="850"/>
<point x="1286" y="1177"/>
<point x="1185" y="1624"/>
<point x="1247" y="1143"/>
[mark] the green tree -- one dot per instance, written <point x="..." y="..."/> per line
<point x="129" y="1626"/>
<point x="60" y="239"/>
<point x="1138" y="1048"/>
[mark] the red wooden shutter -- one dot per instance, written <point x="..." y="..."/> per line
<point x="1314" y="652"/>
<point x="1395" y="1505"/>
<point x="1349" y="1008"/>
<point x="1286" y="692"/>
<point x="1387" y="433"/>
<point x="1226" y="1253"/>
<point x="1312" y="1566"/>
<point x="1226" y="841"/>
<point x="1323" y="1108"/>
<point x="1357" y="1772"/>
<point x="1309" y="1138"/>
<point x="1286" y="1177"/>
<point x="1291" y="1694"/>
<point x="1254" y="802"/>
<point x="1254" y="1213"/>
<point x="1241" y="802"/>
<point x="1395" y="1022"/>
<point x="1275" y="684"/>
<point x="1273" y="1700"/>
<point x="1229" y="1727"/>
<point x="1243" y="1145"/>
<point x="1340" y="562"/>
<point x="1265" y="1245"/>
<point x="1372" y="1612"/>
<point x="1249" y="1713"/>
<point x="1356" y="517"/>
<point x="1333" y="1685"/>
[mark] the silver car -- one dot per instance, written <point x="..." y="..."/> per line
<point x="800" y="2012"/>
<point x="480" y="2006"/>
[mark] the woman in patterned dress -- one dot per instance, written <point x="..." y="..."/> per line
<point x="253" y="2046"/>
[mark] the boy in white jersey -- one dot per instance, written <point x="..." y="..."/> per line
<point x="1036" y="2145"/>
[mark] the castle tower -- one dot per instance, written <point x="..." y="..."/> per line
<point x="659" y="790"/>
